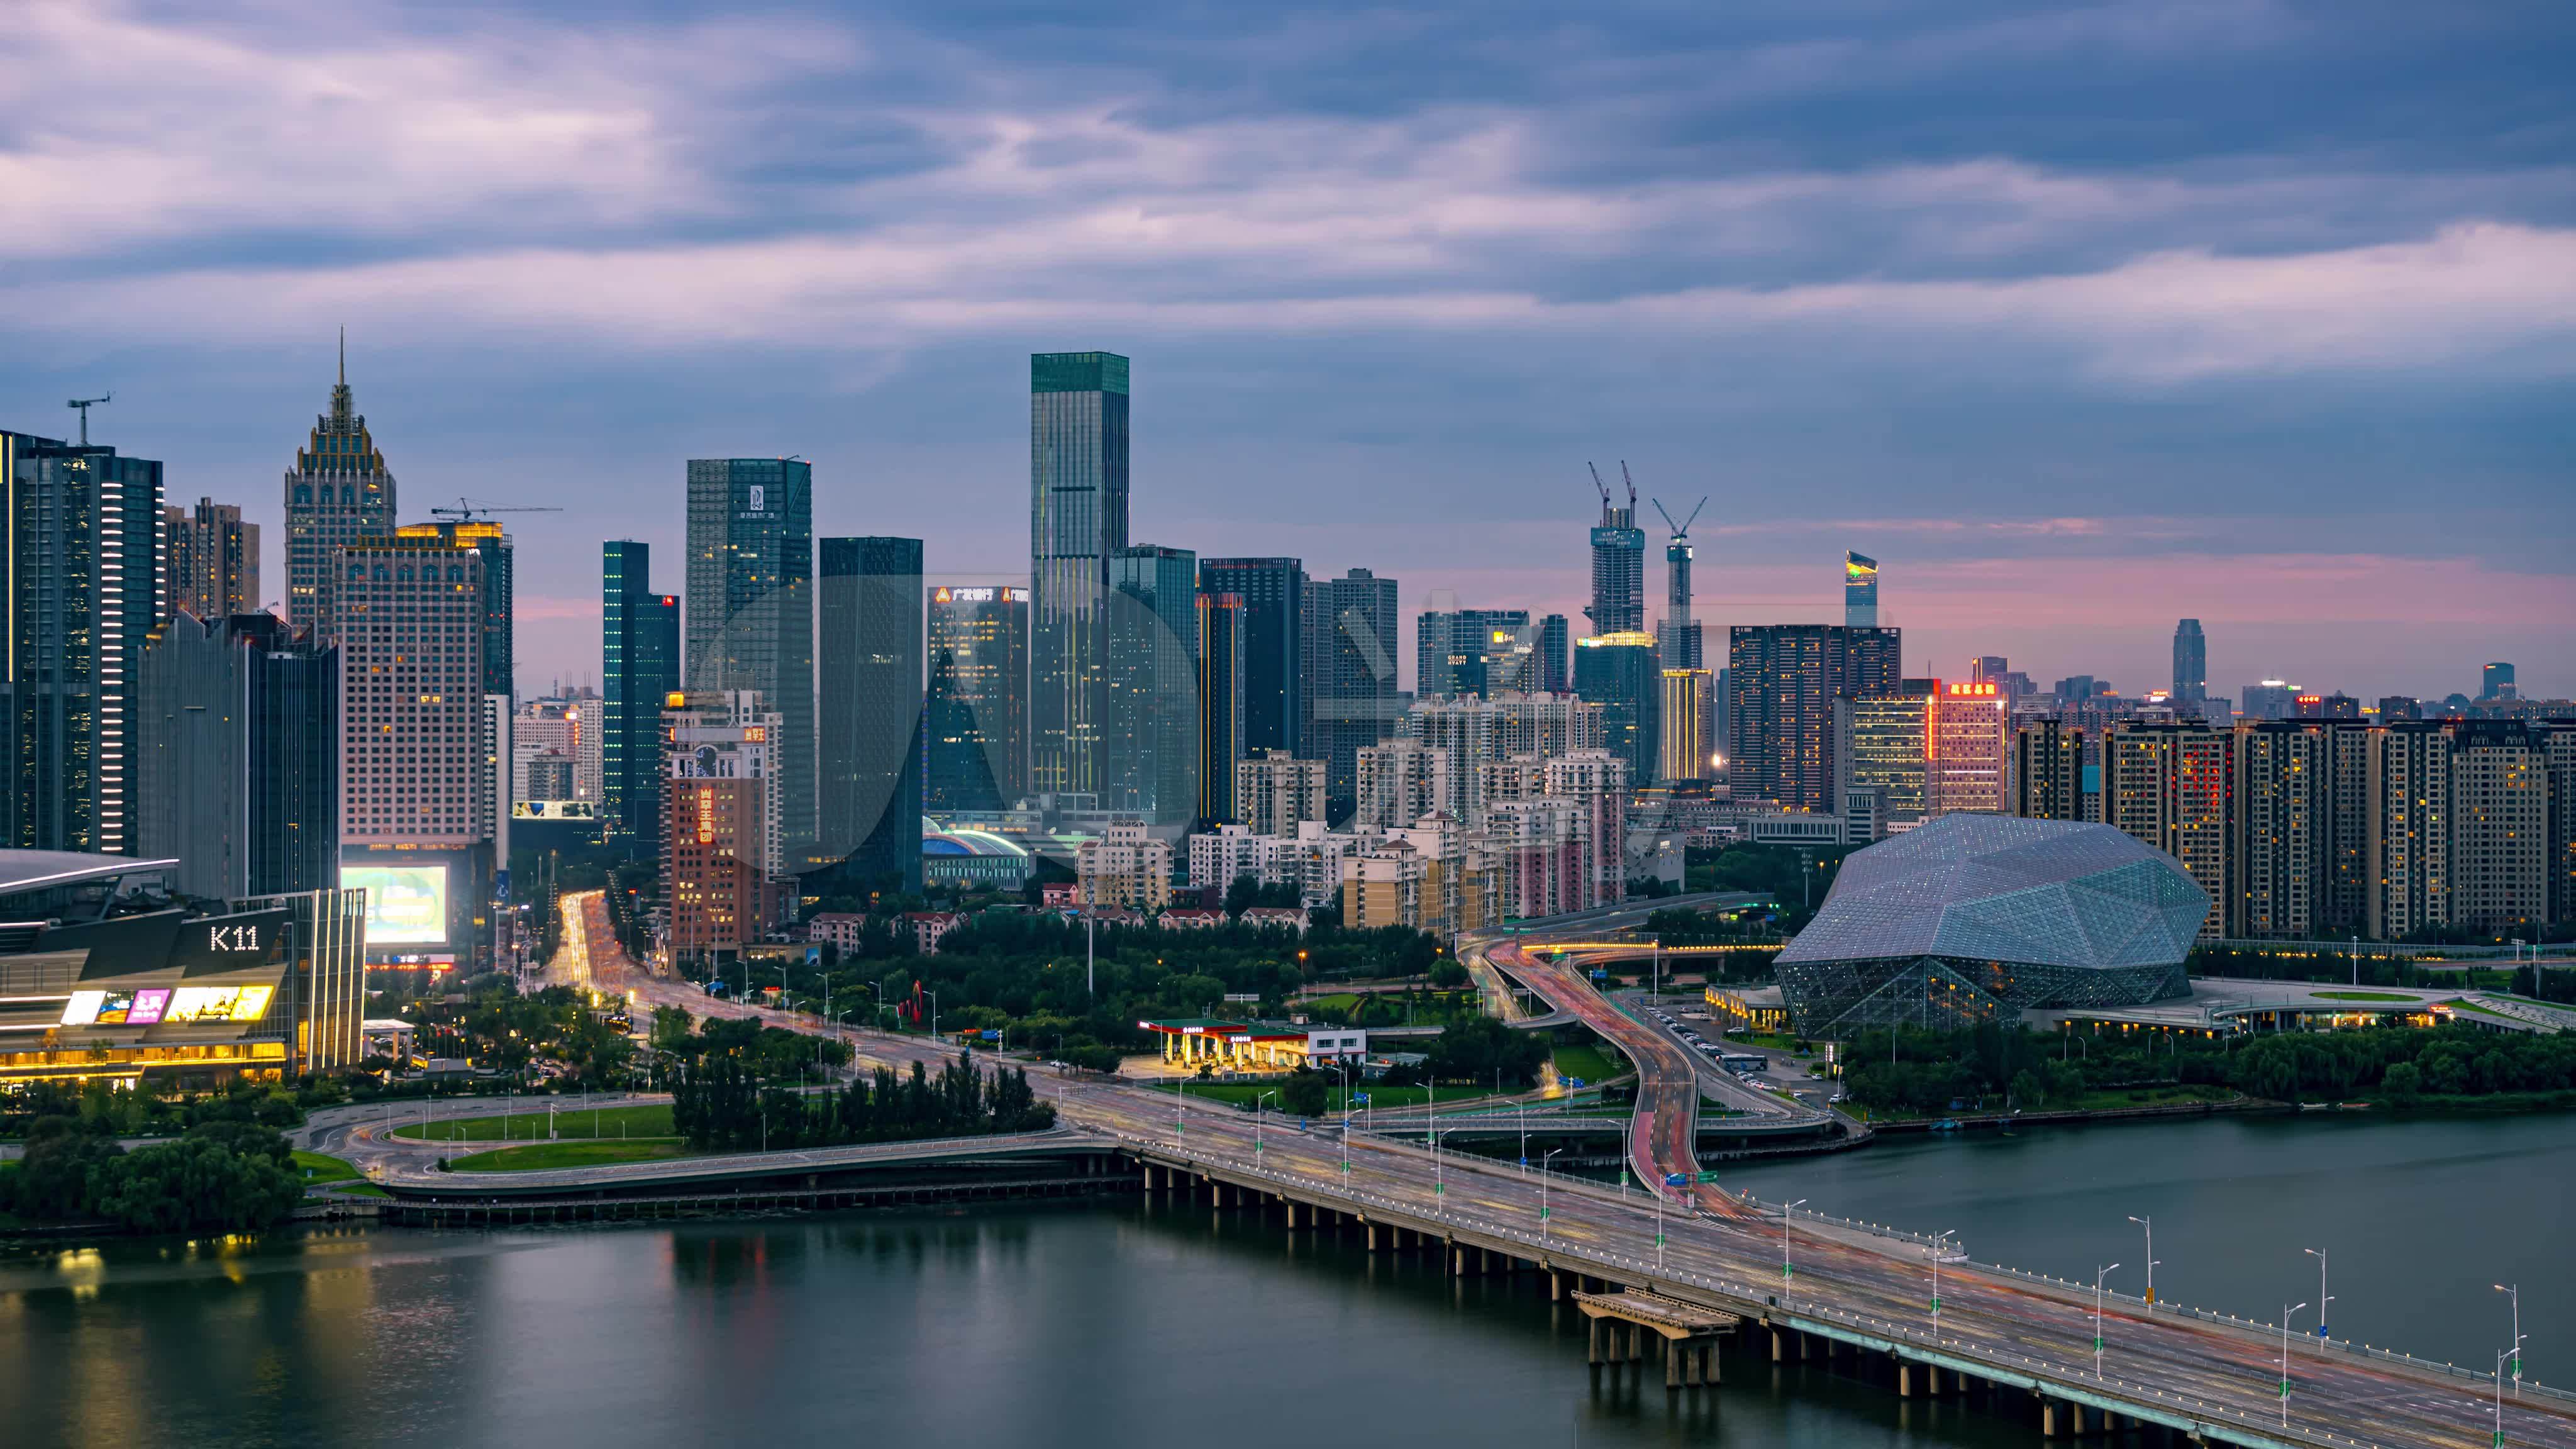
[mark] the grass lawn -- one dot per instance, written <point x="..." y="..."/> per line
<point x="570" y="1154"/>
<point x="1589" y="1062"/>
<point x="2360" y="996"/>
<point x="1772" y="1040"/>
<point x="318" y="1169"/>
<point x="2151" y="1096"/>
<point x="612" y="1123"/>
<point x="2474" y="1007"/>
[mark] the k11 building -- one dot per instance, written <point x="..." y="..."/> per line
<point x="1969" y="918"/>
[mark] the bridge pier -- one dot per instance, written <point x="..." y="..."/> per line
<point x="1904" y="1379"/>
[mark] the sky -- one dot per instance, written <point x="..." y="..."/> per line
<point x="2079" y="319"/>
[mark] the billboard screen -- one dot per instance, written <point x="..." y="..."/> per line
<point x="200" y="1005"/>
<point x="406" y="904"/>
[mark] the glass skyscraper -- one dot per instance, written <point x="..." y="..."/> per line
<point x="1152" y="760"/>
<point x="239" y="771"/>
<point x="1860" y="591"/>
<point x="1077" y="523"/>
<point x="750" y="619"/>
<point x="1353" y="639"/>
<point x="639" y="667"/>
<point x="2190" y="663"/>
<point x="1273" y="591"/>
<point x="975" y="740"/>
<point x="1461" y="651"/>
<point x="868" y="755"/>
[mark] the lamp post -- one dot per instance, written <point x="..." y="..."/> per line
<point x="1180" y="1092"/>
<point x="1659" y="1232"/>
<point x="1939" y="1240"/>
<point x="2514" y="1354"/>
<point x="2150" y="1226"/>
<point x="1256" y="1125"/>
<point x="2515" y="1293"/>
<point x="2285" y="1363"/>
<point x="1786" y="1272"/>
<point x="1524" y="1116"/>
<point x="1542" y="1192"/>
<point x="2098" y="1275"/>
<point x="2322" y="1300"/>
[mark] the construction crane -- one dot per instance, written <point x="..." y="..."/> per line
<point x="1681" y="530"/>
<point x="467" y="510"/>
<point x="83" y="405"/>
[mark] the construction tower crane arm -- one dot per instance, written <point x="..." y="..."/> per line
<point x="467" y="510"/>
<point x="1681" y="529"/>
<point x="1597" y="483"/>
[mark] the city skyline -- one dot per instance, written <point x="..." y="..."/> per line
<point x="2069" y="381"/>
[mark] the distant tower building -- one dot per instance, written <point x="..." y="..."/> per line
<point x="639" y="667"/>
<point x="1273" y="591"/>
<point x="500" y="669"/>
<point x="750" y="605"/>
<point x="1860" y="591"/>
<point x="1462" y="651"/>
<point x="1782" y="681"/>
<point x="2496" y="682"/>
<point x="1619" y="673"/>
<point x="1151" y="758"/>
<point x="1555" y="672"/>
<point x="239" y="775"/>
<point x="2190" y="663"/>
<point x="1355" y="637"/>
<point x="1685" y="729"/>
<point x="338" y="493"/>
<point x="80" y="573"/>
<point x="214" y="561"/>
<point x="1618" y="568"/>
<point x="1077" y="523"/>
<point x="976" y="731"/>
<point x="1679" y="634"/>
<point x="1220" y="703"/>
<point x="868" y="746"/>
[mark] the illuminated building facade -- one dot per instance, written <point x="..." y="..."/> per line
<point x="639" y="667"/>
<point x="1151" y="758"/>
<point x="1477" y="652"/>
<point x="338" y="493"/>
<point x="1077" y="522"/>
<point x="1860" y="591"/>
<point x="486" y="538"/>
<point x="723" y="847"/>
<point x="1969" y="764"/>
<point x="1685" y="734"/>
<point x="750" y="605"/>
<point x="1782" y="682"/>
<point x="2167" y="785"/>
<point x="975" y="746"/>
<point x="214" y="560"/>
<point x="1621" y="673"/>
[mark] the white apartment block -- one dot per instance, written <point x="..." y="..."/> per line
<point x="1127" y="867"/>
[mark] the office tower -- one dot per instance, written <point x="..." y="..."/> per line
<point x="868" y="745"/>
<point x="2500" y="867"/>
<point x="1275" y="791"/>
<point x="1619" y="673"/>
<point x="417" y="787"/>
<point x="1274" y="628"/>
<point x="2051" y="777"/>
<point x="2167" y="785"/>
<point x="487" y="538"/>
<point x="2325" y="706"/>
<point x="2409" y="829"/>
<point x="1968" y="766"/>
<point x="80" y="535"/>
<point x="1479" y="652"/>
<point x="1782" y="681"/>
<point x="2282" y="831"/>
<point x="2496" y="682"/>
<point x="2079" y="688"/>
<point x="1354" y="634"/>
<point x="238" y="777"/>
<point x="556" y="753"/>
<point x="1989" y="668"/>
<point x="722" y="846"/>
<point x="1618" y="568"/>
<point x="750" y="605"/>
<point x="1220" y="703"/>
<point x="2190" y="663"/>
<point x="639" y="668"/>
<point x="1882" y="743"/>
<point x="2394" y="707"/>
<point x="1860" y="591"/>
<point x="976" y="740"/>
<point x="337" y="493"/>
<point x="213" y="567"/>
<point x="1077" y="523"/>
<point x="1684" y="728"/>
<point x="1151" y="760"/>
<point x="1555" y="670"/>
<point x="2272" y="699"/>
<point x="2558" y="742"/>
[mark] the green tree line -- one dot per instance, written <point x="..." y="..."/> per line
<point x="223" y="1176"/>
<point x="722" y="1104"/>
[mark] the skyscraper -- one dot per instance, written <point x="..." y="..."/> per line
<point x="2167" y="785"/>
<point x="1554" y="669"/>
<point x="2496" y="682"/>
<point x="639" y="666"/>
<point x="1461" y="651"/>
<point x="214" y="560"/>
<point x="1152" y="756"/>
<point x="1619" y="673"/>
<point x="1679" y="633"/>
<point x="500" y="669"/>
<point x="239" y="772"/>
<point x="80" y="537"/>
<point x="1685" y="731"/>
<point x="1618" y="570"/>
<point x="1860" y="591"/>
<point x="750" y="605"/>
<point x="2190" y="663"/>
<point x="1782" y="681"/>
<point x="1220" y="703"/>
<point x="976" y="731"/>
<point x="1077" y="522"/>
<point x="1273" y="591"/>
<point x="868" y="752"/>
<point x="1355" y="704"/>
<point x="338" y="493"/>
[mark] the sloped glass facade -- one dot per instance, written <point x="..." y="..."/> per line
<point x="1973" y="917"/>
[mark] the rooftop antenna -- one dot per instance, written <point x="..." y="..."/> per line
<point x="84" y="404"/>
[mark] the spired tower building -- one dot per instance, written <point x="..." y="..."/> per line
<point x="338" y="493"/>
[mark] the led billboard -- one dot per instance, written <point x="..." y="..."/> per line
<point x="199" y="1005"/>
<point x="406" y="904"/>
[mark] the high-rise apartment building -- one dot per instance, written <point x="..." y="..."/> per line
<point x="1400" y="781"/>
<point x="80" y="536"/>
<point x="2558" y="744"/>
<point x="1968" y="765"/>
<point x="213" y="560"/>
<point x="2409" y="829"/>
<point x="723" y="851"/>
<point x="2282" y="824"/>
<point x="1273" y="591"/>
<point x="500" y="665"/>
<point x="2168" y="785"/>
<point x="1686" y="734"/>
<point x="1078" y="448"/>
<point x="1275" y="791"/>
<point x="238" y="776"/>
<point x="868" y="744"/>
<point x="1353" y="641"/>
<point x="2500" y="867"/>
<point x="639" y="668"/>
<point x="1220" y="703"/>
<point x="1782" y="681"/>
<point x="976" y="729"/>
<point x="1126" y="866"/>
<point x="1151" y="766"/>
<point x="338" y="492"/>
<point x="2190" y="663"/>
<point x="1618" y="570"/>
<point x="1619" y="672"/>
<point x="556" y="752"/>
<point x="1481" y="732"/>
<point x="750" y="605"/>
<point x="1677" y="632"/>
<point x="2054" y="775"/>
<point x="1462" y="651"/>
<point x="1860" y="591"/>
<point x="1883" y="743"/>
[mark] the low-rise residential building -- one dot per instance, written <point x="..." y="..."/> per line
<point x="929" y="927"/>
<point x="1289" y="918"/>
<point x="1190" y="918"/>
<point x="1129" y="867"/>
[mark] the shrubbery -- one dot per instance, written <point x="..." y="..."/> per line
<point x="223" y="1176"/>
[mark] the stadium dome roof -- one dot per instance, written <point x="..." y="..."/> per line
<point x="941" y="840"/>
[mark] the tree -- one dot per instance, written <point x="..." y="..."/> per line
<point x="1306" y="1094"/>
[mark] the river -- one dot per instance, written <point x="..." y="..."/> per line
<point x="1104" y="1324"/>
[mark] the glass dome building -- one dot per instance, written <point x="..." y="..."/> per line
<point x="958" y="855"/>
<point x="1969" y="918"/>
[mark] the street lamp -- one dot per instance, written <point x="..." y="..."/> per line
<point x="2322" y="1300"/>
<point x="1256" y="1125"/>
<point x="2150" y="1226"/>
<point x="2515" y="1293"/>
<point x="1542" y="1191"/>
<point x="2098" y="1275"/>
<point x="2515" y="1354"/>
<point x="1939" y="1239"/>
<point x="1785" y="1270"/>
<point x="1659" y="1232"/>
<point x="2285" y="1363"/>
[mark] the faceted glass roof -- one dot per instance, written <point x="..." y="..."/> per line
<point x="2000" y="888"/>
